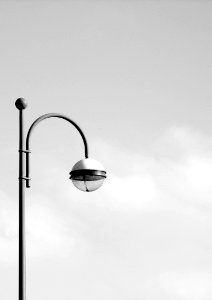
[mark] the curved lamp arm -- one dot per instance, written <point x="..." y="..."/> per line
<point x="36" y="122"/>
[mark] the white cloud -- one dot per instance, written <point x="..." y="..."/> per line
<point x="8" y="229"/>
<point x="187" y="285"/>
<point x="198" y="173"/>
<point x="130" y="192"/>
<point x="175" y="175"/>
<point x="152" y="215"/>
<point x="47" y="234"/>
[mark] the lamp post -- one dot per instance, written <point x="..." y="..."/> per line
<point x="87" y="175"/>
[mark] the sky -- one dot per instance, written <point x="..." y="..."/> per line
<point x="136" y="77"/>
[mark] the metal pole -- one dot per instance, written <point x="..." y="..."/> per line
<point x="21" y="104"/>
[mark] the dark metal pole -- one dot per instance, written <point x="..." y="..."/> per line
<point x="21" y="104"/>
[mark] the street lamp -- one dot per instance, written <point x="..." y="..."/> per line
<point x="87" y="175"/>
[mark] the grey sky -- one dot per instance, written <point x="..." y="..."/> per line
<point x="136" y="76"/>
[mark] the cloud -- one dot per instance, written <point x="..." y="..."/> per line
<point x="152" y="216"/>
<point x="130" y="192"/>
<point x="47" y="234"/>
<point x="173" y="173"/>
<point x="187" y="285"/>
<point x="176" y="143"/>
<point x="8" y="229"/>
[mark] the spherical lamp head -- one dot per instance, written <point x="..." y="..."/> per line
<point x="88" y="175"/>
<point x="21" y="103"/>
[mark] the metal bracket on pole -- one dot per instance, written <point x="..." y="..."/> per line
<point x="24" y="151"/>
<point x="24" y="178"/>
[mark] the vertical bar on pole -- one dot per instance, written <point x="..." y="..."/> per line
<point x="21" y="213"/>
<point x="21" y="104"/>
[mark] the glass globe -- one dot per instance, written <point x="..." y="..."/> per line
<point x="88" y="183"/>
<point x="88" y="175"/>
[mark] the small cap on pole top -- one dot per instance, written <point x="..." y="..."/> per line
<point x="21" y="103"/>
